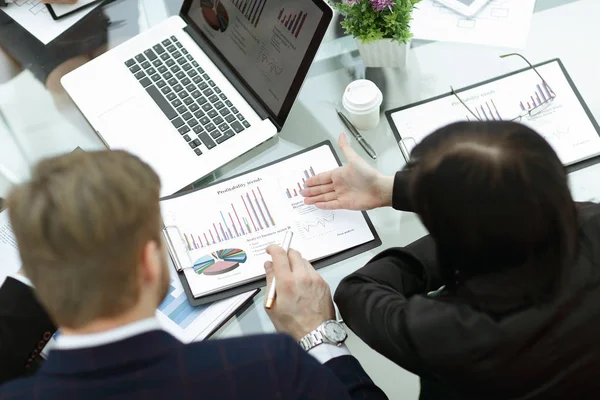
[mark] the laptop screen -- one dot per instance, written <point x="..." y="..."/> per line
<point x="265" y="41"/>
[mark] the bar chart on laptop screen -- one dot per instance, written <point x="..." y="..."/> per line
<point x="252" y="9"/>
<point x="293" y="21"/>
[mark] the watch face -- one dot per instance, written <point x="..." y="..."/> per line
<point x="335" y="332"/>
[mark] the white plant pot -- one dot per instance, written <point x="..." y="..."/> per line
<point x="384" y="53"/>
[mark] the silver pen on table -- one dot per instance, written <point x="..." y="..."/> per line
<point x="357" y="135"/>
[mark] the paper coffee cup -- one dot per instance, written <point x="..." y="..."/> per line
<point x="362" y="100"/>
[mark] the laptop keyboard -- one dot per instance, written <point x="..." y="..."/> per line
<point x="188" y="97"/>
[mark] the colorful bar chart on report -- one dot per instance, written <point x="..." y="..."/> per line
<point x="295" y="191"/>
<point x="178" y="309"/>
<point x="486" y="112"/>
<point x="250" y="214"/>
<point x="542" y="95"/>
<point x="293" y="22"/>
<point x="252" y="9"/>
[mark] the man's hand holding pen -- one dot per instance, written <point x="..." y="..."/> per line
<point x="303" y="297"/>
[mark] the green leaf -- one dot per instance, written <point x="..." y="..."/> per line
<point x="363" y="22"/>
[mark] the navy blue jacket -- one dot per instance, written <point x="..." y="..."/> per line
<point x="25" y="328"/>
<point x="155" y="365"/>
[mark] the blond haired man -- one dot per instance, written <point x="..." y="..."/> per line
<point x="88" y="227"/>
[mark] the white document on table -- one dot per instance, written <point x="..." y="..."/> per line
<point x="188" y="323"/>
<point x="585" y="184"/>
<point x="564" y="122"/>
<point x="227" y="227"/>
<point x="503" y="23"/>
<point x="33" y="15"/>
<point x="10" y="261"/>
<point x="62" y="9"/>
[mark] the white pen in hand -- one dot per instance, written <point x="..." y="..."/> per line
<point x="285" y="245"/>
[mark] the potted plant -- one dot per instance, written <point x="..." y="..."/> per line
<point x="381" y="29"/>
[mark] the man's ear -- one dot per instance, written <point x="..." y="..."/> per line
<point x="151" y="262"/>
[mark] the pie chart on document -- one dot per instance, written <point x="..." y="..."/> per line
<point x="220" y="262"/>
<point x="215" y="14"/>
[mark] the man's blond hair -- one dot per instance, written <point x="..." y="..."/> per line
<point x="81" y="223"/>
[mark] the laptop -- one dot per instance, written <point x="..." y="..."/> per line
<point x="198" y="90"/>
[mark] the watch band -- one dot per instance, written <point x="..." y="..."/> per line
<point x="311" y="340"/>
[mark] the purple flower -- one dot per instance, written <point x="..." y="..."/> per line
<point x="380" y="5"/>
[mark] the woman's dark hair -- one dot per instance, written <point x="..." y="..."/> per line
<point x="494" y="196"/>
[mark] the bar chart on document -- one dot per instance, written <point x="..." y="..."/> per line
<point x="486" y="109"/>
<point x="176" y="307"/>
<point x="310" y="222"/>
<point x="548" y="106"/>
<point x="229" y="223"/>
<point x="188" y="323"/>
<point x="227" y="227"/>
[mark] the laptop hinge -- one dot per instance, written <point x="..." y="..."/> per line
<point x="229" y="73"/>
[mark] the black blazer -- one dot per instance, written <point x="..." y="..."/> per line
<point x="25" y="328"/>
<point x="487" y="340"/>
<point x="155" y="365"/>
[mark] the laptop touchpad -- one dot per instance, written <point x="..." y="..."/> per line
<point x="132" y="125"/>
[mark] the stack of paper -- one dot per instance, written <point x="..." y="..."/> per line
<point x="502" y="23"/>
<point x="33" y="15"/>
<point x="9" y="253"/>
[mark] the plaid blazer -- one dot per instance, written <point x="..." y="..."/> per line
<point x="155" y="365"/>
<point x="25" y="328"/>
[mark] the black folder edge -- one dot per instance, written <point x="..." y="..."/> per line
<point x="260" y="282"/>
<point x="238" y="310"/>
<point x="56" y="17"/>
<point x="571" y="168"/>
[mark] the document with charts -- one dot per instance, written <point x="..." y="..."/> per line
<point x="564" y="122"/>
<point x="33" y="15"/>
<point x="9" y="252"/>
<point x="504" y="23"/>
<point x="188" y="323"/>
<point x="226" y="228"/>
<point x="585" y="184"/>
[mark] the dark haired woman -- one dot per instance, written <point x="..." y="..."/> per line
<point x="502" y="299"/>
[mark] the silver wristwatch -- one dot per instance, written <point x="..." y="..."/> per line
<point x="331" y="332"/>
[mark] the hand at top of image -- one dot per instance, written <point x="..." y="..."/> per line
<point x="303" y="299"/>
<point x="59" y="1"/>
<point x="355" y="186"/>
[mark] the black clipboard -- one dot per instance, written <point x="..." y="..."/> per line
<point x="571" y="168"/>
<point x="57" y="17"/>
<point x="260" y="282"/>
<point x="238" y="310"/>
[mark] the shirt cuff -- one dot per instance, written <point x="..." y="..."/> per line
<point x="400" y="197"/>
<point x="22" y="279"/>
<point x="326" y="352"/>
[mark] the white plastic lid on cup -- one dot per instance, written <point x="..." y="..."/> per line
<point x="362" y="99"/>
